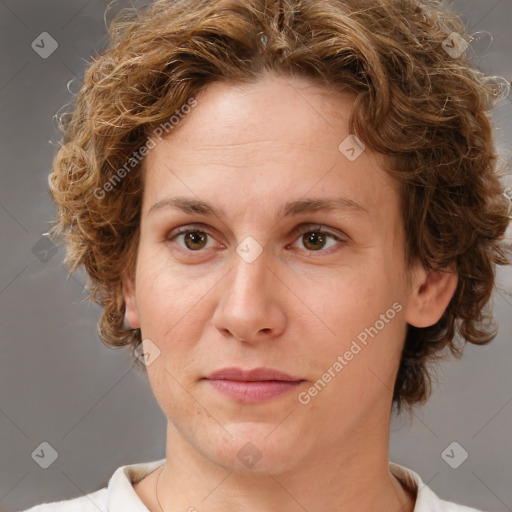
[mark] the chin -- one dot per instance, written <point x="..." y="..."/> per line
<point x="256" y="448"/>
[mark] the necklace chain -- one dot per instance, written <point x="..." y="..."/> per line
<point x="157" y="480"/>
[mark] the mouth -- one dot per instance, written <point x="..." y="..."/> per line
<point x="252" y="386"/>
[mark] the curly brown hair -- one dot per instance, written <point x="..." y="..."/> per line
<point x="431" y="109"/>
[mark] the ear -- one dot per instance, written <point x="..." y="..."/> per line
<point x="132" y="314"/>
<point x="431" y="293"/>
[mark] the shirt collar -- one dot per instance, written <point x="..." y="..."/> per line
<point x="426" y="499"/>
<point x="122" y="496"/>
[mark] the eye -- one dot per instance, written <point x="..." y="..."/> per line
<point x="193" y="238"/>
<point x="315" y="238"/>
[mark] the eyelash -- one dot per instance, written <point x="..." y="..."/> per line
<point x="300" y="230"/>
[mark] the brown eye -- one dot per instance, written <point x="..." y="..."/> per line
<point x="314" y="240"/>
<point x="195" y="240"/>
<point x="191" y="239"/>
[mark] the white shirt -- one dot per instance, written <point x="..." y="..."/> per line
<point x="119" y="495"/>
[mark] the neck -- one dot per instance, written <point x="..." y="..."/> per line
<point x="356" y="477"/>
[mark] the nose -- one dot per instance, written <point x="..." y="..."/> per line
<point x="251" y="307"/>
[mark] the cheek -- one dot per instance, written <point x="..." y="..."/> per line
<point x="170" y="390"/>
<point x="356" y="301"/>
<point x="163" y="292"/>
<point x="169" y="311"/>
<point x="174" y="308"/>
<point x="364" y="313"/>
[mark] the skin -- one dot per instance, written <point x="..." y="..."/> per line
<point x="248" y="149"/>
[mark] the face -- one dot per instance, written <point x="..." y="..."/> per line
<point x="262" y="274"/>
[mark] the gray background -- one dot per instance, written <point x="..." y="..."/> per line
<point x="61" y="385"/>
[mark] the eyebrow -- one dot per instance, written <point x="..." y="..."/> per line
<point x="196" y="206"/>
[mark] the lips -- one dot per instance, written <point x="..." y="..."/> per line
<point x="253" y="375"/>
<point x="252" y="386"/>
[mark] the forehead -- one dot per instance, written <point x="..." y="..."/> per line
<point x="293" y="108"/>
<point x="263" y="141"/>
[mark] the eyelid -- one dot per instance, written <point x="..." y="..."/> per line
<point x="203" y="228"/>
<point x="299" y="230"/>
<point x="317" y="228"/>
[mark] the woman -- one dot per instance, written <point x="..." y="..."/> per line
<point x="287" y="209"/>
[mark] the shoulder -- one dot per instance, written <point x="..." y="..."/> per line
<point x="93" y="502"/>
<point x="119" y="495"/>
<point x="426" y="499"/>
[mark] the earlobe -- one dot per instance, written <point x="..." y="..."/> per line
<point x="430" y="296"/>
<point x="131" y="312"/>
